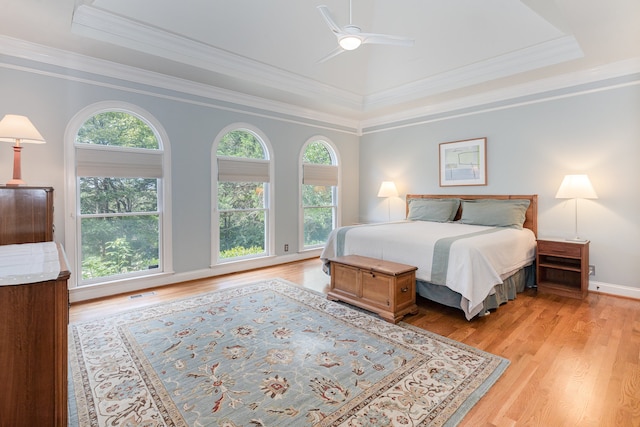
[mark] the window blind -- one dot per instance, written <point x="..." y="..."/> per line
<point x="243" y="170"/>
<point x="314" y="174"/>
<point x="118" y="164"/>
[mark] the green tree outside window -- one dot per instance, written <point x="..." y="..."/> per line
<point x="119" y="217"/>
<point x="241" y="205"/>
<point x="318" y="201"/>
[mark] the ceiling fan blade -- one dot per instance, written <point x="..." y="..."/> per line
<point x="335" y="52"/>
<point x="324" y="11"/>
<point x="351" y="31"/>
<point x="386" y="39"/>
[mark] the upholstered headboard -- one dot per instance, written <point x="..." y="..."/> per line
<point x="531" y="216"/>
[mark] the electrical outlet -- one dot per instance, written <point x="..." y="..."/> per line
<point x="592" y="270"/>
<point x="286" y="247"/>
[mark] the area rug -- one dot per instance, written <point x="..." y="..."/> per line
<point x="269" y="354"/>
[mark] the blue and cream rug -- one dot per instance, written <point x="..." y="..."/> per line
<point x="269" y="354"/>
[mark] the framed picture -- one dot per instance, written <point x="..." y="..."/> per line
<point x="463" y="162"/>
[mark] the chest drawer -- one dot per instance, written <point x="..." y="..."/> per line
<point x="559" y="248"/>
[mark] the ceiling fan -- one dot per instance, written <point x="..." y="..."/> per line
<point x="350" y="36"/>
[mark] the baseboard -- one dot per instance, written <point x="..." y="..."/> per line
<point x="617" y="290"/>
<point x="85" y="293"/>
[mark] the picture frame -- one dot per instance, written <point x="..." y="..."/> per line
<point x="463" y="162"/>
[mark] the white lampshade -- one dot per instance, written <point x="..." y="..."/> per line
<point x="350" y="42"/>
<point x="576" y="187"/>
<point x="19" y="129"/>
<point x="387" y="189"/>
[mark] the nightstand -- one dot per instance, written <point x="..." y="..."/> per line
<point x="562" y="267"/>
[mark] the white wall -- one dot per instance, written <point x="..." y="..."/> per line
<point x="50" y="97"/>
<point x="529" y="149"/>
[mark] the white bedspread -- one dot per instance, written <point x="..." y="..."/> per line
<point x="476" y="263"/>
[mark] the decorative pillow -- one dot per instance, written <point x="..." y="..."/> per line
<point x="437" y="210"/>
<point x="496" y="213"/>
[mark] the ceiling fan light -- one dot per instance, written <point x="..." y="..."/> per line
<point x="350" y="42"/>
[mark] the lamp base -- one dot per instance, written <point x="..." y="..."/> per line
<point x="15" y="183"/>
<point x="17" y="170"/>
<point x="576" y="239"/>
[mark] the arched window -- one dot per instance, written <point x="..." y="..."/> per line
<point x="319" y="192"/>
<point x="241" y="215"/>
<point x="119" y="205"/>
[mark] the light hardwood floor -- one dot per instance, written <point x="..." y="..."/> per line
<point x="573" y="362"/>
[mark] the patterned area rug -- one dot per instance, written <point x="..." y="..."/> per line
<point x="269" y="354"/>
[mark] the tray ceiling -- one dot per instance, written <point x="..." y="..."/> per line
<point x="270" y="49"/>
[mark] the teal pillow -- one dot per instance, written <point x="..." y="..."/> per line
<point x="437" y="210"/>
<point x="494" y="212"/>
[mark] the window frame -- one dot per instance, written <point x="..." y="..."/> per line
<point x="268" y="196"/>
<point x="158" y="159"/>
<point x="337" y="217"/>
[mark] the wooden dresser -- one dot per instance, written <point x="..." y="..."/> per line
<point x="26" y="214"/>
<point x="33" y="344"/>
<point x="34" y="311"/>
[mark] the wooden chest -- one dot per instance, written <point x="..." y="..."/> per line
<point x="383" y="287"/>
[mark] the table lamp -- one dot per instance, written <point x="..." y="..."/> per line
<point x="576" y="187"/>
<point x="388" y="189"/>
<point x="18" y="130"/>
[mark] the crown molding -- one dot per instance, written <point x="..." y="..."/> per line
<point x="69" y="60"/>
<point x="544" y="88"/>
<point x="101" y="25"/>
<point x="538" y="56"/>
<point x="574" y="83"/>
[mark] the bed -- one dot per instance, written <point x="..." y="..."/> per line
<point x="473" y="252"/>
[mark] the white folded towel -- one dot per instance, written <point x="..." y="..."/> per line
<point x="28" y="263"/>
